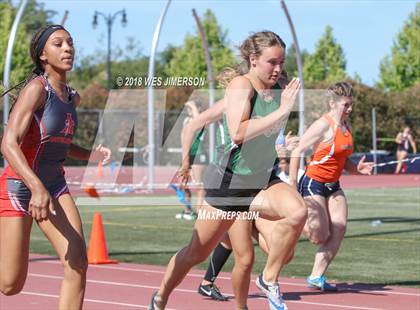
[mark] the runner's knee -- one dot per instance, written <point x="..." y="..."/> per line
<point x="245" y="261"/>
<point x="299" y="215"/>
<point x="319" y="238"/>
<point x="195" y="256"/>
<point x="340" y="229"/>
<point x="75" y="260"/>
<point x="11" y="287"/>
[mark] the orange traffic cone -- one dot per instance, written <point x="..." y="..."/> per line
<point x="97" y="252"/>
<point x="99" y="172"/>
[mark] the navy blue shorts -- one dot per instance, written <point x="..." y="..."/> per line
<point x="15" y="195"/>
<point x="310" y="187"/>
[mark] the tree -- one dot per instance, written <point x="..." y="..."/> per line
<point x="290" y="64"/>
<point x="163" y="60"/>
<point x="34" y="17"/>
<point x="189" y="59"/>
<point x="167" y="54"/>
<point x="21" y="63"/>
<point x="91" y="69"/>
<point x="401" y="69"/>
<point x="328" y="62"/>
<point x="87" y="69"/>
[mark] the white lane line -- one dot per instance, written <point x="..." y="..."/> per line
<point x="88" y="300"/>
<point x="384" y="292"/>
<point x="379" y="292"/>
<point x="110" y="283"/>
<point x="331" y="305"/>
<point x="143" y="306"/>
<point x="194" y="291"/>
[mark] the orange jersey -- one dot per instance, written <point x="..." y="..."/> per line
<point x="329" y="158"/>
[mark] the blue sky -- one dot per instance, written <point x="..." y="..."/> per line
<point x="365" y="29"/>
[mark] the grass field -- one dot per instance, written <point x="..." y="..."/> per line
<point x="388" y="253"/>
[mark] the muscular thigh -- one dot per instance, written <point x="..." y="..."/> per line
<point x="240" y="234"/>
<point x="401" y="154"/>
<point x="208" y="231"/>
<point x="318" y="222"/>
<point x="337" y="207"/>
<point x="14" y="247"/>
<point x="265" y="227"/>
<point x="277" y="201"/>
<point x="65" y="232"/>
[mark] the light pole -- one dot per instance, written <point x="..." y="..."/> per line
<point x="109" y="20"/>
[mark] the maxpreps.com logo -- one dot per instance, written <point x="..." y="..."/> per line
<point x="69" y="126"/>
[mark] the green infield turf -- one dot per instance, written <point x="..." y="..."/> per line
<point x="382" y="243"/>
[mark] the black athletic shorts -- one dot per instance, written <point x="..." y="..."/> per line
<point x="232" y="192"/>
<point x="199" y="159"/>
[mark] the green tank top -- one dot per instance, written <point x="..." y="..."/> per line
<point x="197" y="146"/>
<point x="258" y="154"/>
<point x="220" y="144"/>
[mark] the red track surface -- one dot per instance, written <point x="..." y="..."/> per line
<point x="164" y="175"/>
<point x="129" y="286"/>
<point x="380" y="181"/>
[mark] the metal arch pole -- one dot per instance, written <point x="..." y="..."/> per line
<point x="108" y="56"/>
<point x="210" y="81"/>
<point x="64" y="19"/>
<point x="374" y="142"/>
<point x="8" y="61"/>
<point x="151" y="98"/>
<point x="300" y="74"/>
